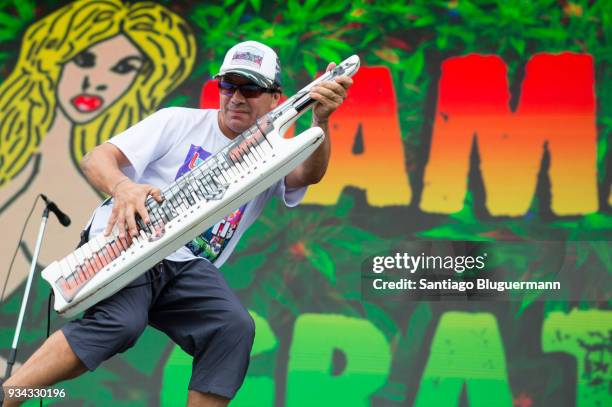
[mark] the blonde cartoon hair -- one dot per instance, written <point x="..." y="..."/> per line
<point x="28" y="96"/>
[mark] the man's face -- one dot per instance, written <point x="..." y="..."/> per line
<point x="237" y="113"/>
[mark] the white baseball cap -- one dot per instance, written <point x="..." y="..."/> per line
<point x="254" y="60"/>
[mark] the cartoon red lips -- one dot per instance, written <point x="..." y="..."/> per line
<point x="86" y="103"/>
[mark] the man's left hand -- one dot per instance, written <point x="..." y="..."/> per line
<point x="329" y="96"/>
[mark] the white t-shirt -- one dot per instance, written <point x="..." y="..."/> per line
<point x="167" y="144"/>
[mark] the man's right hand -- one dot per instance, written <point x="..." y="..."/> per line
<point x="129" y="200"/>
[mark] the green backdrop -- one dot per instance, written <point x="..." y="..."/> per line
<point x="299" y="270"/>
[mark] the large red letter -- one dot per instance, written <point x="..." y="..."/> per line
<point x="379" y="167"/>
<point x="556" y="108"/>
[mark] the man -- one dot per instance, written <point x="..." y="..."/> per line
<point x="185" y="295"/>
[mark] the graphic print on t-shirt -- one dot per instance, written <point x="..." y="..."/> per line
<point x="210" y="243"/>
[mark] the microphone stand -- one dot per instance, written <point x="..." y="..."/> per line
<point x="11" y="359"/>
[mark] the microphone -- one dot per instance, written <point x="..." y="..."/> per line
<point x="61" y="216"/>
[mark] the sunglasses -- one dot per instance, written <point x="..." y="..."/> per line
<point x="249" y="90"/>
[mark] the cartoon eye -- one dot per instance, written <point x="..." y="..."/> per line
<point x="126" y="66"/>
<point x="85" y="59"/>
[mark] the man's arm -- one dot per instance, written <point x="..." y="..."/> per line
<point x="329" y="96"/>
<point x="102" y="167"/>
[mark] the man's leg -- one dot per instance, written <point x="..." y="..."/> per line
<point x="109" y="327"/>
<point x="53" y="362"/>
<point x="204" y="317"/>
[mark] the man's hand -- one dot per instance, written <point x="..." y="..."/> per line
<point x="129" y="200"/>
<point x="329" y="95"/>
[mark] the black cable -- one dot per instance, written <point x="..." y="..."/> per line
<point x="17" y="248"/>
<point x="51" y="296"/>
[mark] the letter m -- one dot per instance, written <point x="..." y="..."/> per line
<point x="556" y="111"/>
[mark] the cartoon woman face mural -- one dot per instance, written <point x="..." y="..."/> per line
<point x="85" y="72"/>
<point x="97" y="77"/>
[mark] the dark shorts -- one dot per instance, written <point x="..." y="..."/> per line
<point x="192" y="304"/>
